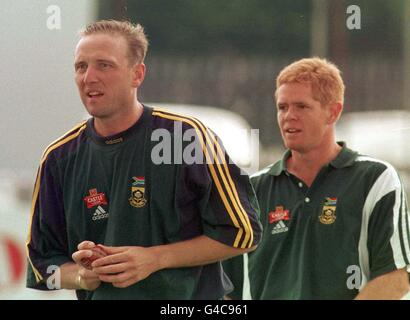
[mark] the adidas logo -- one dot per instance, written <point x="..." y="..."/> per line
<point x="100" y="213"/>
<point x="280" y="227"/>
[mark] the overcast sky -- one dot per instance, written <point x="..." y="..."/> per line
<point x="39" y="100"/>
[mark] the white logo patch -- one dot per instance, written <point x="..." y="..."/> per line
<point x="100" y="213"/>
<point x="279" y="227"/>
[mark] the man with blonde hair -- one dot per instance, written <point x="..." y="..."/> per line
<point x="336" y="223"/>
<point x="115" y="223"/>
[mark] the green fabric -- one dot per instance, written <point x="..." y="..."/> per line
<point x="311" y="255"/>
<point x="180" y="202"/>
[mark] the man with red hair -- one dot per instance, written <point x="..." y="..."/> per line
<point x="336" y="223"/>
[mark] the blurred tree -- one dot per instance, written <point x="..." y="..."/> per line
<point x="268" y="27"/>
<point x="381" y="31"/>
<point x="210" y="26"/>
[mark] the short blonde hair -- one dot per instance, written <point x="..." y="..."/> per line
<point x="324" y="77"/>
<point x="133" y="34"/>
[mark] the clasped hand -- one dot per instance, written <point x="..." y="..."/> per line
<point x="123" y="266"/>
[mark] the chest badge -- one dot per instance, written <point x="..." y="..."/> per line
<point x="328" y="215"/>
<point x="277" y="217"/>
<point x="278" y="214"/>
<point x="95" y="199"/>
<point x="138" y="199"/>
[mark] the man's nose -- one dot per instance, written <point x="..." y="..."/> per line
<point x="90" y="76"/>
<point x="291" y="114"/>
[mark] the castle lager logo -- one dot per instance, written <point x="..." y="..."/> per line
<point x="95" y="199"/>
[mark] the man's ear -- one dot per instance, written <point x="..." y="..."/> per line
<point x="335" y="110"/>
<point x="138" y="74"/>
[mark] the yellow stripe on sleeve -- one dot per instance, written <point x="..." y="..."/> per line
<point x="229" y="185"/>
<point x="59" y="142"/>
<point x="232" y="190"/>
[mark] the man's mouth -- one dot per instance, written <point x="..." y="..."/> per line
<point x="291" y="130"/>
<point x="95" y="94"/>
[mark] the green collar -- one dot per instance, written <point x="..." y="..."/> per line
<point x="345" y="158"/>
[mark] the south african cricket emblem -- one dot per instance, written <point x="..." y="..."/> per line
<point x="138" y="199"/>
<point x="328" y="215"/>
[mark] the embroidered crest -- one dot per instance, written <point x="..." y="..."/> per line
<point x="328" y="215"/>
<point x="95" y="199"/>
<point x="138" y="199"/>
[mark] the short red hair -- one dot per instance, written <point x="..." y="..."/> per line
<point x="324" y="77"/>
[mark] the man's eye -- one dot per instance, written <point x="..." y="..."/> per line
<point x="80" y="67"/>
<point x="104" y="65"/>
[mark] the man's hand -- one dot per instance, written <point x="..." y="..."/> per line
<point x="85" y="279"/>
<point x="125" y="266"/>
